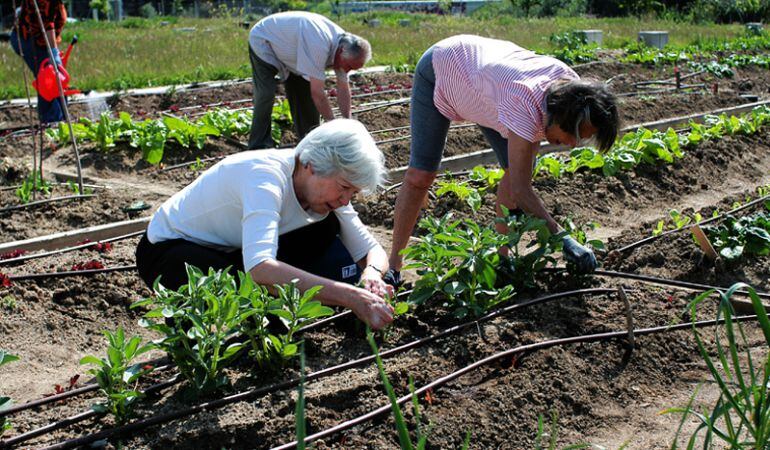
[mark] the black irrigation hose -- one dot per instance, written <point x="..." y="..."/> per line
<point x="72" y="393"/>
<point x="40" y="202"/>
<point x="242" y="396"/>
<point x="667" y="282"/>
<point x="384" y="105"/>
<point x="649" y="239"/>
<point x="69" y="249"/>
<point x="70" y="273"/>
<point x="506" y="354"/>
<point x="85" y="415"/>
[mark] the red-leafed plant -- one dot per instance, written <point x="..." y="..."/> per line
<point x="89" y="265"/>
<point x="13" y="254"/>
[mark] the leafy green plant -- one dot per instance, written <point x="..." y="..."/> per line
<point x="116" y="376"/>
<point x="579" y="231"/>
<point x="463" y="190"/>
<point x="230" y="123"/>
<point x="280" y="118"/>
<point x="202" y="316"/>
<point x="458" y="259"/>
<point x="677" y="221"/>
<point x="546" y="439"/>
<point x="292" y="307"/>
<point x="404" y="439"/>
<point x="748" y="235"/>
<point x="5" y="402"/>
<point x="740" y="417"/>
<point x="523" y="264"/>
<point x="33" y="183"/>
<point x="188" y="134"/>
<point x="76" y="189"/>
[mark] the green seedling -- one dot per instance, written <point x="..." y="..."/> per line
<point x="734" y="238"/>
<point x="75" y="189"/>
<point x="546" y="439"/>
<point x="740" y="417"/>
<point x="280" y="118"/>
<point x="117" y="376"/>
<point x="8" y="302"/>
<point x="5" y="402"/>
<point x="33" y="183"/>
<point x="459" y="260"/>
<point x="462" y="190"/>
<point x="525" y="263"/>
<point x="579" y="231"/>
<point x="422" y="433"/>
<point x="292" y="307"/>
<point x="197" y="321"/>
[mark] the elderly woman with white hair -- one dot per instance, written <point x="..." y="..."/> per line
<point x="280" y="215"/>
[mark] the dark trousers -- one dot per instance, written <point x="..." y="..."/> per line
<point x="34" y="55"/>
<point x="303" y="111"/>
<point x="315" y="248"/>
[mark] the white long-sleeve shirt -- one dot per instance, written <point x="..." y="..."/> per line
<point x="245" y="202"/>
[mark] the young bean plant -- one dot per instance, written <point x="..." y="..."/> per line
<point x="33" y="183"/>
<point x="523" y="262"/>
<point x="197" y="321"/>
<point x="291" y="306"/>
<point x="459" y="260"/>
<point x="117" y="376"/>
<point x="579" y="231"/>
<point x="5" y="402"/>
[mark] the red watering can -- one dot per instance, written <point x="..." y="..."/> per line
<point x="45" y="83"/>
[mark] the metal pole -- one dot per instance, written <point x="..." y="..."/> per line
<point x="61" y="98"/>
<point x="29" y="104"/>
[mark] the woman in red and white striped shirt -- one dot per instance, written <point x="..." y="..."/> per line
<point x="517" y="98"/>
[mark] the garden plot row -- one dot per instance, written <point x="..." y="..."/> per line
<point x="231" y="428"/>
<point x="583" y="381"/>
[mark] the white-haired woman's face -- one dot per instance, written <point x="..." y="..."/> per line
<point x="325" y="194"/>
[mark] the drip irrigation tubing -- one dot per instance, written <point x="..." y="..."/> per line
<point x="649" y="239"/>
<point x="85" y="415"/>
<point x="92" y="387"/>
<point x="400" y="101"/>
<point x="407" y="136"/>
<point x="41" y="202"/>
<point x="598" y="337"/>
<point x="71" y="393"/>
<point x="245" y="395"/>
<point x="69" y="249"/>
<point x="92" y="186"/>
<point x="664" y="281"/>
<point x="70" y="273"/>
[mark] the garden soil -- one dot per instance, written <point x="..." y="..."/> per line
<point x="601" y="394"/>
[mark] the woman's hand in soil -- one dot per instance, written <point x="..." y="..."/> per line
<point x="371" y="308"/>
<point x="581" y="257"/>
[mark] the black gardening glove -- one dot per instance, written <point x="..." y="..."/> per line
<point x="580" y="257"/>
<point x="393" y="278"/>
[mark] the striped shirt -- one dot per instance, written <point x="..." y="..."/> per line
<point x="52" y="12"/>
<point x="296" y="41"/>
<point x="494" y="83"/>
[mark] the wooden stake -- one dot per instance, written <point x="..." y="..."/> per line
<point x="704" y="242"/>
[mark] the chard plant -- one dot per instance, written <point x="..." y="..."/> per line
<point x="678" y="221"/>
<point x="280" y="118"/>
<point x="5" y="402"/>
<point x="117" y="375"/>
<point x="459" y="260"/>
<point x="422" y="433"/>
<point x="738" y="237"/>
<point x="33" y="183"/>
<point x="740" y="417"/>
<point x="524" y="261"/>
<point x="196" y="322"/>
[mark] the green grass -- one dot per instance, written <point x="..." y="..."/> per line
<point x="140" y="53"/>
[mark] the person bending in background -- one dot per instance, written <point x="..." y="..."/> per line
<point x="29" y="41"/>
<point x="299" y="46"/>
<point x="517" y="98"/>
<point x="280" y="215"/>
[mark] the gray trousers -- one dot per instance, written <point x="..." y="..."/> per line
<point x="429" y="127"/>
<point x="303" y="110"/>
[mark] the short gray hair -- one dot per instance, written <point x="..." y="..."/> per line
<point x="344" y="147"/>
<point x="354" y="48"/>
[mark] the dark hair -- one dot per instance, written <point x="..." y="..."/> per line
<point x="572" y="102"/>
